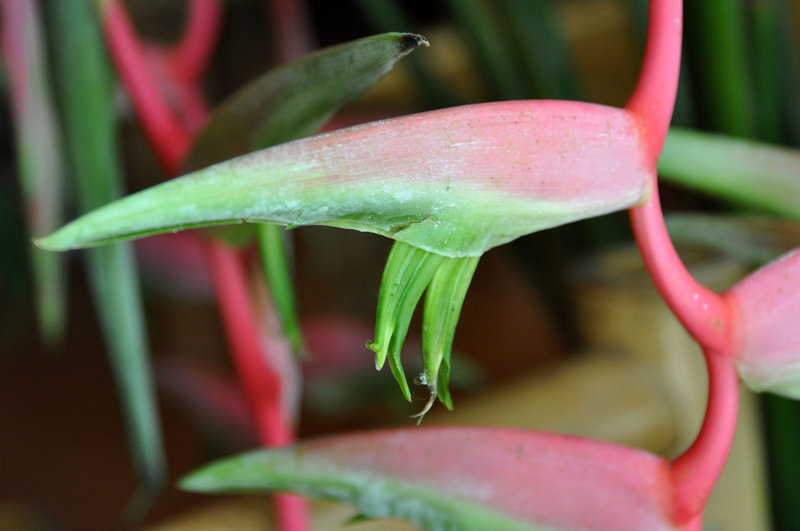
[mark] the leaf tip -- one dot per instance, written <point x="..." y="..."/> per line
<point x="48" y="243"/>
<point x="410" y="42"/>
<point x="194" y="482"/>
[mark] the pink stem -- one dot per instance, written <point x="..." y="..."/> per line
<point x="654" y="96"/>
<point x="169" y="140"/>
<point x="696" y="471"/>
<point x="261" y="383"/>
<point x="291" y="29"/>
<point x="192" y="54"/>
<point x="704" y="314"/>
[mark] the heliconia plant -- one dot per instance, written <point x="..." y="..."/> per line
<point x="447" y="186"/>
<point x="289" y="102"/>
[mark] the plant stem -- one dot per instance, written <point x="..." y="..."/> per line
<point x="261" y="384"/>
<point x="193" y="52"/>
<point x="171" y="139"/>
<point x="700" y="310"/>
<point x="654" y="96"/>
<point x="695" y="472"/>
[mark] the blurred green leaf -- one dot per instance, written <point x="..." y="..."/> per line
<point x="86" y="87"/>
<point x="752" y="240"/>
<point x="287" y="103"/>
<point x="39" y="157"/>
<point x="480" y="24"/>
<point x="717" y="44"/>
<point x="750" y="174"/>
<point x="296" y="99"/>
<point x="549" y="69"/>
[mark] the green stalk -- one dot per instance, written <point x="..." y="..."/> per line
<point x="480" y="24"/>
<point x="546" y="57"/>
<point x="274" y="259"/>
<point x="86" y="86"/>
<point x="767" y="68"/>
<point x="747" y="173"/>
<point x="789" y="50"/>
<point x="784" y="439"/>
<point x="718" y="44"/>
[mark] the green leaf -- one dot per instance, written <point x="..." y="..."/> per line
<point x="296" y="99"/>
<point x="39" y="158"/>
<point x="462" y="478"/>
<point x="747" y="173"/>
<point x="408" y="273"/>
<point x="86" y="86"/>
<point x="287" y="103"/>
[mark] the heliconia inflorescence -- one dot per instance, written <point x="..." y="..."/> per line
<point x="438" y="186"/>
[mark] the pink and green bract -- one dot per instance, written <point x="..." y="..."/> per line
<point x="438" y="185"/>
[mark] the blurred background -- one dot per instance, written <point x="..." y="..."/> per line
<point x="560" y="330"/>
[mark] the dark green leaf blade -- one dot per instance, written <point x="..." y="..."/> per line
<point x="296" y="99"/>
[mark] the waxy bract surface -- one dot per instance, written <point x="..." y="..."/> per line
<point x="498" y="479"/>
<point x="455" y="182"/>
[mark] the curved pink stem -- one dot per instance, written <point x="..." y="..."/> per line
<point x="169" y="140"/>
<point x="170" y="135"/>
<point x="696" y="471"/>
<point x="704" y="313"/>
<point x="190" y="56"/>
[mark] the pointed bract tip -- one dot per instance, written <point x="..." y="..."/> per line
<point x="411" y="41"/>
